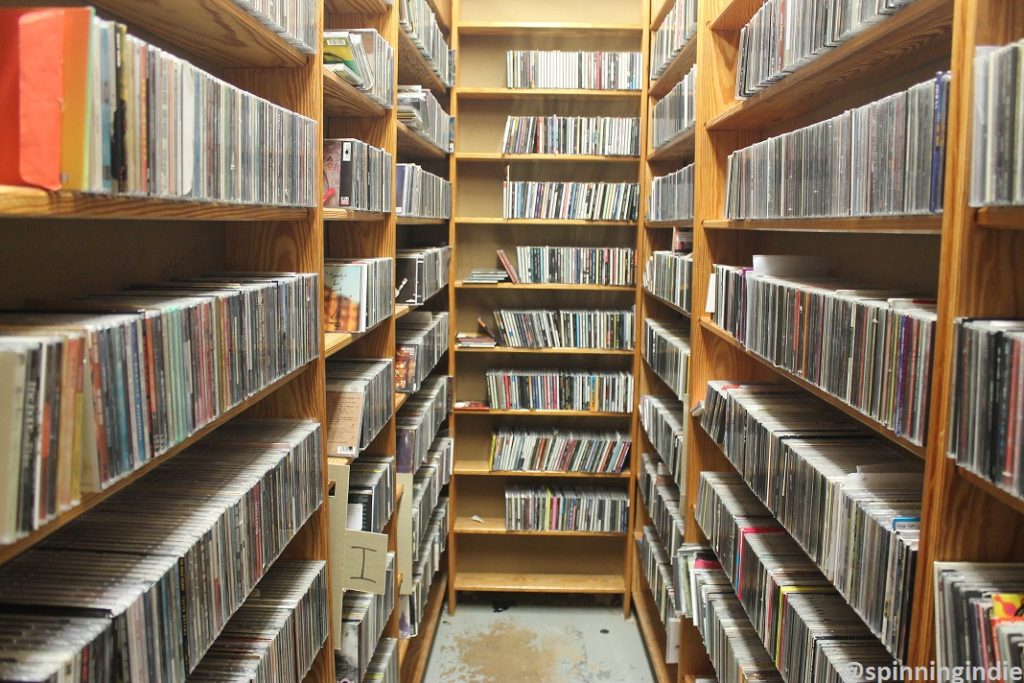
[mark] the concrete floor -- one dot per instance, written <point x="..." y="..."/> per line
<point x="537" y="639"/>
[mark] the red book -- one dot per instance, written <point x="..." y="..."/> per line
<point x="507" y="265"/>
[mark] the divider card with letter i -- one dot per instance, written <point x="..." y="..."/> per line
<point x="31" y="89"/>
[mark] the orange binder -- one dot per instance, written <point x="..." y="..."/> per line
<point x="31" y="88"/>
<point x="75" y="119"/>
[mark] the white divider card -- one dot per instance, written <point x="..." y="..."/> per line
<point x="337" y="508"/>
<point x="364" y="562"/>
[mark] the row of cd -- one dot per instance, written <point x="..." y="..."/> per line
<point x="421" y="338"/>
<point x="358" y="293"/>
<point x="656" y="565"/>
<point x="783" y="36"/>
<point x="661" y="496"/>
<point x="870" y="348"/>
<point x="558" y="507"/>
<point x="357" y="176"/>
<point x="997" y="159"/>
<point x="584" y="135"/>
<point x="790" y="605"/>
<point x="277" y="633"/>
<point x="421" y="273"/>
<point x="573" y="70"/>
<point x="371" y="492"/>
<point x="676" y="112"/>
<point x="433" y="545"/>
<point x="422" y="113"/>
<point x="136" y="120"/>
<point x="363" y="619"/>
<point x="201" y="532"/>
<point x="421" y="194"/>
<point x="363" y="58"/>
<point x="420" y="420"/>
<point x="576" y="390"/>
<point x="570" y="200"/>
<point x="668" y="275"/>
<point x="428" y="485"/>
<point x="672" y="196"/>
<point x="661" y="419"/>
<point x="667" y="352"/>
<point x="611" y="266"/>
<point x="851" y="502"/>
<point x="416" y="18"/>
<point x="984" y="431"/>
<point x="529" y="450"/>
<point x="566" y="329"/>
<point x="110" y="382"/>
<point x="883" y="158"/>
<point x="360" y="401"/>
<point x="677" y="28"/>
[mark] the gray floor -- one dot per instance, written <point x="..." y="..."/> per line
<point x="535" y="639"/>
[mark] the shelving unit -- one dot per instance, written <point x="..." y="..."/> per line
<point x="486" y="556"/>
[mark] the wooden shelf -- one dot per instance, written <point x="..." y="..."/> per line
<point x="678" y="67"/>
<point x="413" y="220"/>
<point x="401" y="310"/>
<point x="498" y="157"/>
<point x="413" y="146"/>
<point x="90" y="501"/>
<point x="735" y="14"/>
<point x="930" y="224"/>
<point x="679" y="148"/>
<point x="560" y="287"/>
<point x="551" y="28"/>
<point x="473" y="93"/>
<point x="539" y="583"/>
<point x="219" y="31"/>
<point x="666" y="302"/>
<point x="442" y="10"/>
<point x="658" y="16"/>
<point x="820" y="394"/>
<point x="495" y="526"/>
<point x="341" y="98"/>
<point x="556" y="351"/>
<point x="913" y="37"/>
<point x="400" y="398"/>
<point x="568" y="222"/>
<point x="1001" y="217"/>
<point x="992" y="489"/>
<point x="30" y="202"/>
<point x="403" y="649"/>
<point x="413" y="68"/>
<point x="480" y="468"/>
<point x="336" y="341"/>
<point x="353" y="215"/>
<point x="669" y="224"/>
<point x="414" y="656"/>
<point x="355" y="6"/>
<point x="541" y="414"/>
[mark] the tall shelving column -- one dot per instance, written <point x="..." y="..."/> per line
<point x="79" y="244"/>
<point x="484" y="556"/>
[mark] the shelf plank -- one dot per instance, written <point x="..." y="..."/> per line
<point x="735" y="14"/>
<point x="90" y="501"/>
<point x="401" y="310"/>
<point x="355" y="6"/>
<point x="930" y="224"/>
<point x="572" y="288"/>
<point x="568" y="222"/>
<point x="219" y="31"/>
<point x="336" y="341"/>
<point x="678" y="67"/>
<point x="495" y="526"/>
<point x="413" y="146"/>
<point x="666" y="302"/>
<point x="992" y="489"/>
<point x="662" y="12"/>
<point x="341" y="98"/>
<point x="400" y="398"/>
<point x="679" y="148"/>
<point x="542" y="413"/>
<point x="415" y="220"/>
<point x="338" y="215"/>
<point x="669" y="224"/>
<point x="481" y="468"/>
<point x="820" y="394"/>
<point x="442" y="10"/>
<point x="413" y="68"/>
<point x="519" y="582"/>
<point x="483" y="93"/>
<point x="915" y="36"/>
<point x="1001" y="217"/>
<point x="550" y="28"/>
<point x="485" y="157"/>
<point x="30" y="202"/>
<point x="557" y="351"/>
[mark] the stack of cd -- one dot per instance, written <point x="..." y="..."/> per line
<point x="421" y="273"/>
<point x="661" y="495"/>
<point x="421" y="194"/>
<point x="428" y="482"/>
<point x="997" y="160"/>
<point x="420" y="111"/>
<point x="293" y="20"/>
<point x="420" y="420"/>
<point x="661" y="419"/>
<point x="559" y="507"/>
<point x="358" y="293"/>
<point x="590" y="391"/>
<point x="360" y="401"/>
<point x="608" y="266"/>
<point x="421" y="338"/>
<point x="580" y="135"/>
<point x="590" y="328"/>
<point x="384" y="666"/>
<point x="676" y="112"/>
<point x="417" y="20"/>
<point x="677" y="28"/>
<point x="657" y="571"/>
<point x="363" y="58"/>
<point x="668" y="275"/>
<point x="363" y="619"/>
<point x="357" y="176"/>
<point x="527" y="450"/>
<point x="434" y="543"/>
<point x="573" y="70"/>
<point x="672" y="196"/>
<point x="570" y="200"/>
<point x="667" y="352"/>
<point x="371" y="492"/>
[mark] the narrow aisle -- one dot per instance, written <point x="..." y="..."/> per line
<point x="535" y="639"/>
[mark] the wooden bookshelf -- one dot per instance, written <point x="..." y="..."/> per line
<point x="1001" y="217"/>
<point x="412" y="220"/>
<point x="413" y="654"/>
<point x="930" y="224"/>
<point x="666" y="302"/>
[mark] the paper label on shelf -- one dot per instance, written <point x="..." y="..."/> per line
<point x="364" y="562"/>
